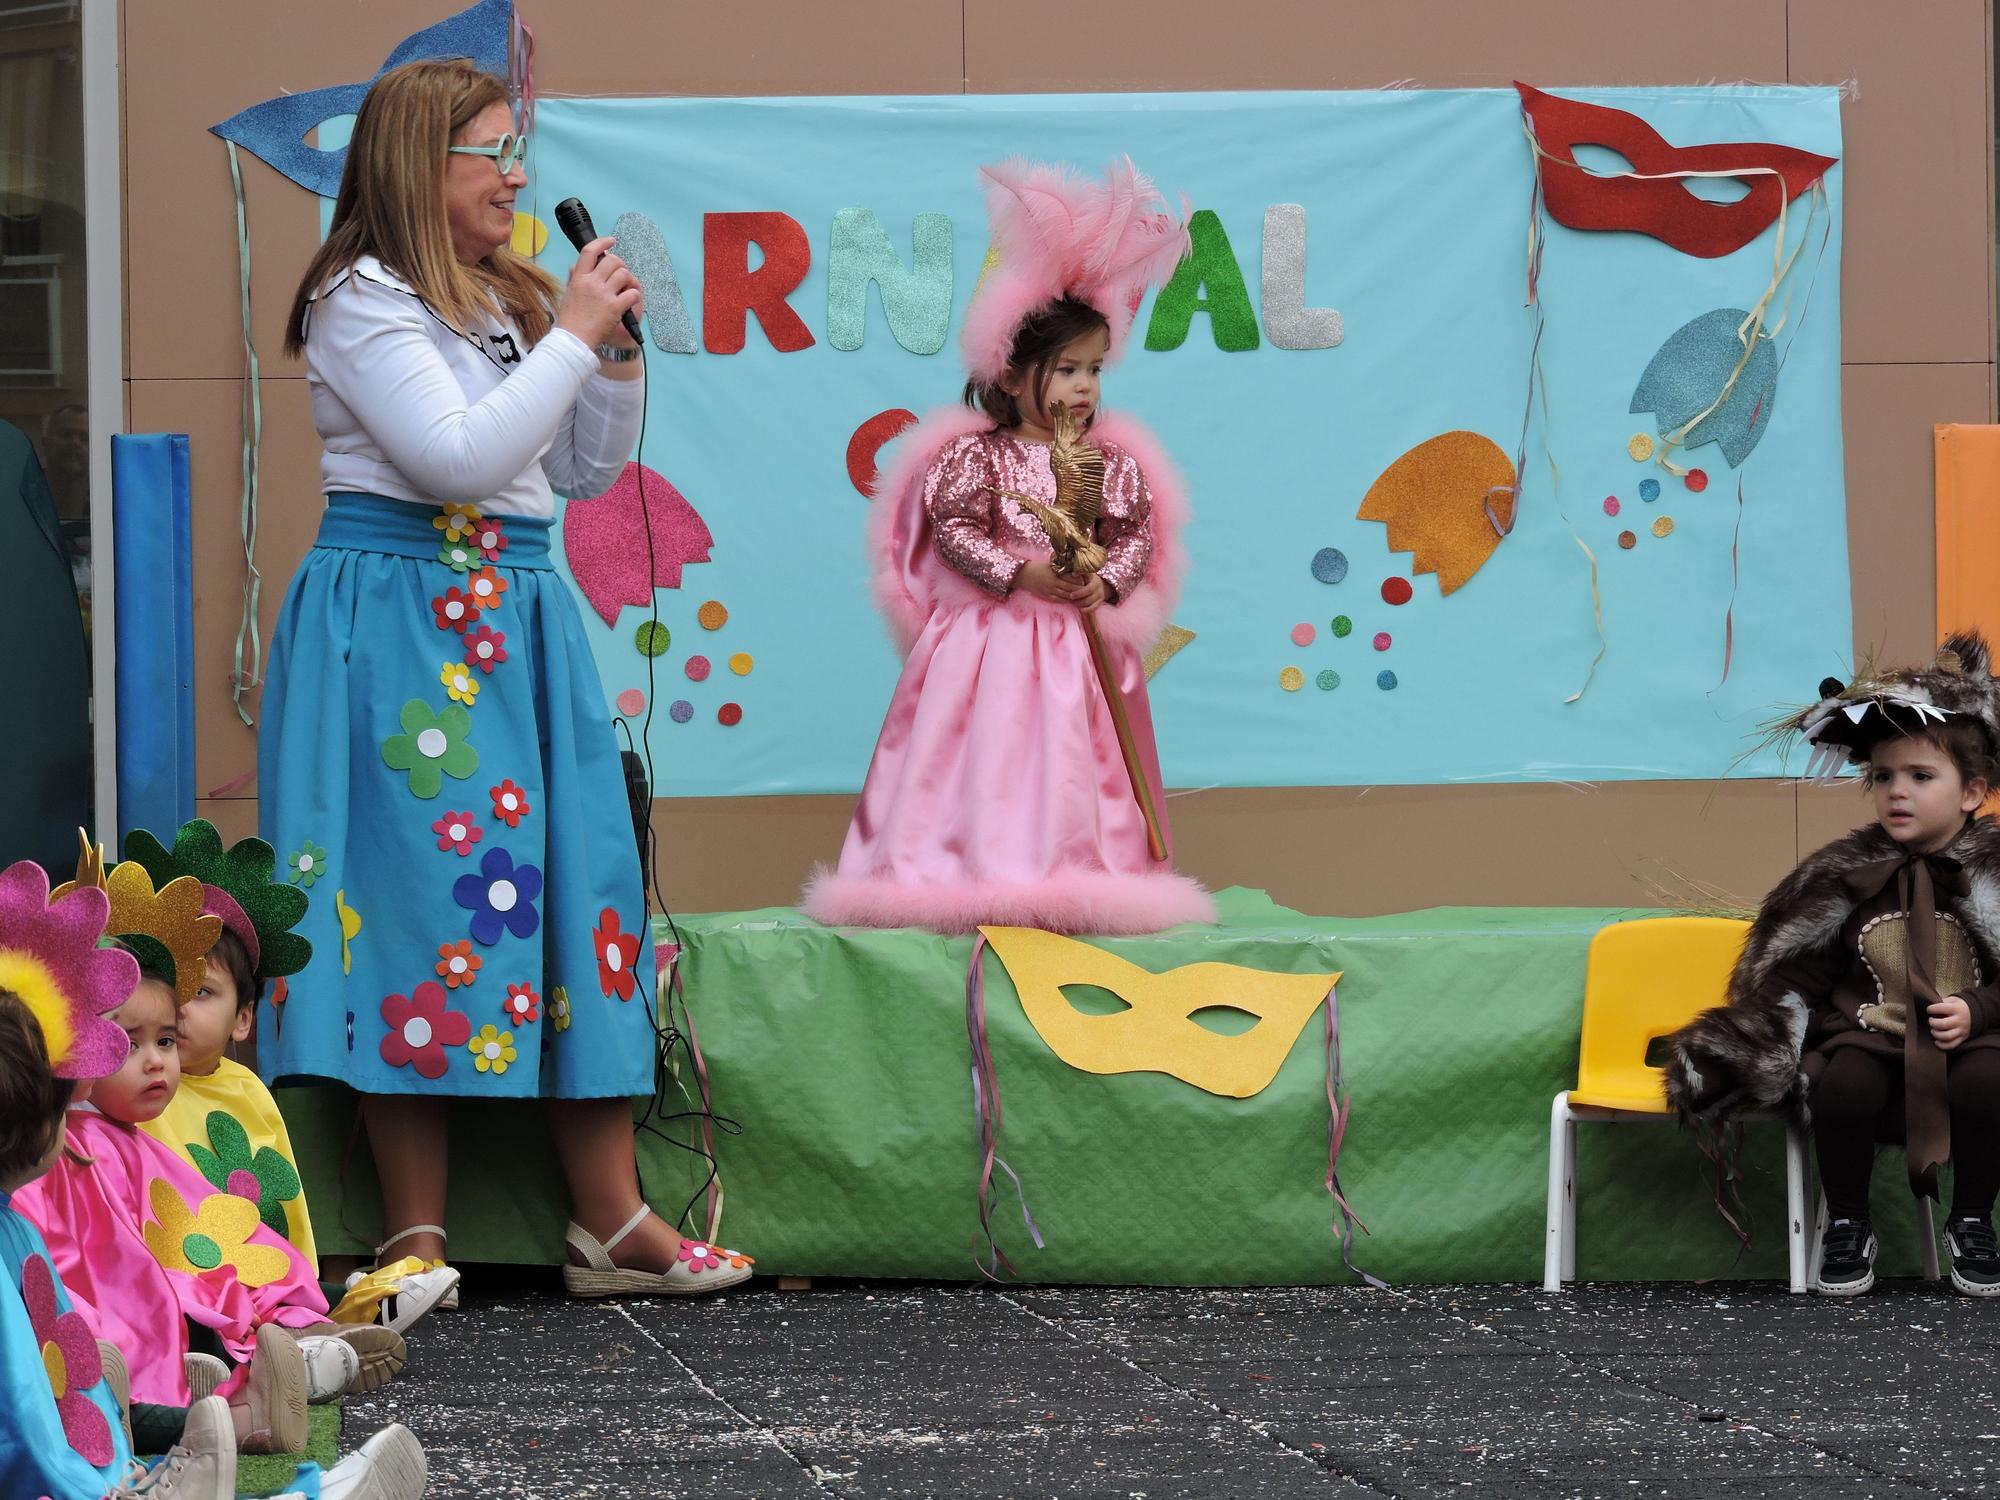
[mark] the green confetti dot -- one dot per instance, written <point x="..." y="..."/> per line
<point x="1342" y="625"/>
<point x="653" y="639"/>
<point x="202" y="1251"/>
<point x="1328" y="680"/>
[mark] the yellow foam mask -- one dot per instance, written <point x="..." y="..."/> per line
<point x="1155" y="1033"/>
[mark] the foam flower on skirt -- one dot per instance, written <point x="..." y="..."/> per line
<point x="262" y="1177"/>
<point x="421" y="1026"/>
<point x="69" y="1356"/>
<point x="489" y="538"/>
<point x="522" y="1004"/>
<point x="454" y="610"/>
<point x="485" y="648"/>
<point x="616" y="951"/>
<point x="492" y="1050"/>
<point x="431" y="747"/>
<point x="486" y="588"/>
<point x="559" y="1008"/>
<point x="458" y="555"/>
<point x="457" y="964"/>
<point x="456" y="520"/>
<point x="458" y="682"/>
<point x="501" y="897"/>
<point x="457" y="832"/>
<point x="307" y="865"/>
<point x="510" y="804"/>
<point x="207" y="1238"/>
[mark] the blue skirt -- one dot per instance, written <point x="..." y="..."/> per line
<point x="437" y="771"/>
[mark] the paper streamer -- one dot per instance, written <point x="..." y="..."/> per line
<point x="916" y="298"/>
<point x="644" y="249"/>
<point x="242" y="678"/>
<point x="1287" y="320"/>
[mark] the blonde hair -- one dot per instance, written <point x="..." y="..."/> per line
<point x="391" y="204"/>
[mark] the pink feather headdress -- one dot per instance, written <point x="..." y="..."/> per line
<point x="1057" y="233"/>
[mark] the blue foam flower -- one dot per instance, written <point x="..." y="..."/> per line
<point x="501" y="897"/>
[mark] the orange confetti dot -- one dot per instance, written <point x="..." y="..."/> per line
<point x="1640" y="447"/>
<point x="712" y="615"/>
<point x="1291" y="679"/>
<point x="1627" y="540"/>
<point x="1664" y="526"/>
<point x="741" y="664"/>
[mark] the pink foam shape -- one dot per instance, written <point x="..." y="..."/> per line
<point x="604" y="538"/>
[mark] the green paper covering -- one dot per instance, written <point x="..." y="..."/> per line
<point x="843" y="1056"/>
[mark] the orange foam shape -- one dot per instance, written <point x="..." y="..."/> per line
<point x="1435" y="501"/>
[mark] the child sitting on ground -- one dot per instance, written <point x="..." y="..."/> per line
<point x="1865" y="995"/>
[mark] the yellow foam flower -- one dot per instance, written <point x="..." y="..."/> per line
<point x="491" y="1049"/>
<point x="216" y="1234"/>
<point x="459" y="683"/>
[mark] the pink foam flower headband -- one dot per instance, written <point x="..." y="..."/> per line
<point x="50" y="958"/>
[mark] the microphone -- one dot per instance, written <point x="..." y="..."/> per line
<point x="574" y="221"/>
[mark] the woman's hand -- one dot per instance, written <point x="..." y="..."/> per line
<point x="1951" y="1022"/>
<point x="601" y="291"/>
<point x="1044" y="582"/>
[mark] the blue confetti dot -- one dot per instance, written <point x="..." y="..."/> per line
<point x="1328" y="680"/>
<point x="1649" y="490"/>
<point x="1329" y="565"/>
<point x="680" y="711"/>
<point x="1385" y="680"/>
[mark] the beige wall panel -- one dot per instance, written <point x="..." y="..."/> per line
<point x="1918" y="272"/>
<point x="1889" y="411"/>
<point x="289" y="515"/>
<point x="1034" y="46"/>
<point x="234" y="817"/>
<point x="1826" y="812"/>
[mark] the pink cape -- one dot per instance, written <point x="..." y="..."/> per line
<point x="94" y="1220"/>
<point x="997" y="793"/>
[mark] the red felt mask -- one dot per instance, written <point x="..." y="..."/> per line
<point x="1665" y="209"/>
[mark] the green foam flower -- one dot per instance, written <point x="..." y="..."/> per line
<point x="265" y="1178"/>
<point x="245" y="874"/>
<point x="431" y="747"/>
<point x="308" y="864"/>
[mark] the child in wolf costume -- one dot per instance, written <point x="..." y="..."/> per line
<point x="1867" y="997"/>
<point x="1026" y="552"/>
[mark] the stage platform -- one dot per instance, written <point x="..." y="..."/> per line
<point x="842" y="1055"/>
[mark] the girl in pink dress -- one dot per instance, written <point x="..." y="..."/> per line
<point x="1015" y="781"/>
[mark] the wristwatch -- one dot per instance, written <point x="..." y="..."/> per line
<point x="622" y="354"/>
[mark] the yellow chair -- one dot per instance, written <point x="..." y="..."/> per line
<point x="1644" y="980"/>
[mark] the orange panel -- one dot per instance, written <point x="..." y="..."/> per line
<point x="1968" y="528"/>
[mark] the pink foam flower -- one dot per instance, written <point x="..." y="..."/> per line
<point x="50" y="958"/>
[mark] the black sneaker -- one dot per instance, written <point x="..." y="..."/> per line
<point x="1975" y="1257"/>
<point x="1847" y="1259"/>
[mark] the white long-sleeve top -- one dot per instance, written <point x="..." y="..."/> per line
<point x="410" y="408"/>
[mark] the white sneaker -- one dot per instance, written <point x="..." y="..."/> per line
<point x="332" y="1365"/>
<point x="389" y="1466"/>
<point x="204" y="1373"/>
<point x="415" y="1296"/>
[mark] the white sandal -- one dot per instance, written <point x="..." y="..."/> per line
<point x="702" y="1267"/>
<point x="448" y="1302"/>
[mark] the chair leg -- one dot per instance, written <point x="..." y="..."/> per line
<point x="1796" y="1179"/>
<point x="1929" y="1216"/>
<point x="1569" y="1214"/>
<point x="1560" y="1228"/>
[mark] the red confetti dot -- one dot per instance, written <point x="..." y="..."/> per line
<point x="1611" y="505"/>
<point x="1697" y="480"/>
<point x="697" y="669"/>
<point x="729" y="713"/>
<point x="1395" y="591"/>
<point x="1381" y="640"/>
<point x="1627" y="540"/>
<point x="1302" y="635"/>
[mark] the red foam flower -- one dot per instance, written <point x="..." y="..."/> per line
<point x="522" y="1004"/>
<point x="421" y="1027"/>
<point x="457" y="964"/>
<point x="489" y="538"/>
<point x="485" y="648"/>
<point x="617" y="950"/>
<point x="454" y="610"/>
<point x="457" y="832"/>
<point x="510" y="804"/>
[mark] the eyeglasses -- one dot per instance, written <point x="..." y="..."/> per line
<point x="511" y="151"/>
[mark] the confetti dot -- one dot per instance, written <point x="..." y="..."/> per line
<point x="1697" y="480"/>
<point x="1303" y="635"/>
<point x="697" y="669"/>
<point x="1611" y="505"/>
<point x="1328" y="680"/>
<point x="1385" y="679"/>
<point x="1649" y="490"/>
<point x="1342" y="626"/>
<point x="680" y="710"/>
<point x="1329" y="565"/>
<point x="1291" y="679"/>
<point x="741" y="664"/>
<point x="1395" y="591"/>
<point x="1640" y="447"/>
<point x="1627" y="540"/>
<point x="1381" y="640"/>
<point x="631" y="702"/>
<point x="653" y="638"/>
<point x="712" y="615"/>
<point x="729" y="713"/>
<point x="1664" y="526"/>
